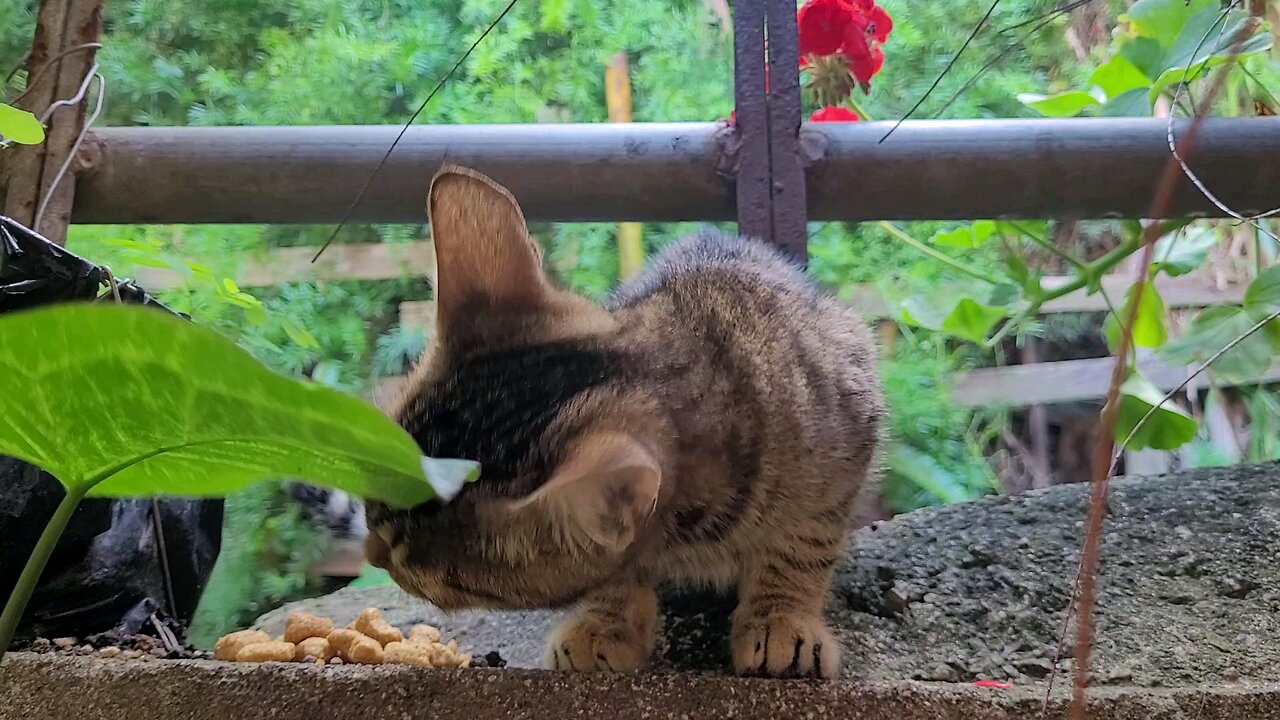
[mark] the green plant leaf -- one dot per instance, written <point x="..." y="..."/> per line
<point x="967" y="237"/>
<point x="132" y="402"/>
<point x="1168" y="428"/>
<point x="1263" y="294"/>
<point x="1163" y="20"/>
<point x="1180" y="253"/>
<point x="1067" y="104"/>
<point x="20" y="126"/>
<point x="299" y="334"/>
<point x="1212" y="329"/>
<point x="927" y="475"/>
<point x="1145" y="54"/>
<point x="1132" y="103"/>
<point x="971" y="320"/>
<point x="1118" y="76"/>
<point x="1148" y="327"/>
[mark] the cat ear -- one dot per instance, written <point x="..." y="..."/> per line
<point x="485" y="257"/>
<point x="606" y="489"/>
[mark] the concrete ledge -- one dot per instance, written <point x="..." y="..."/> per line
<point x="47" y="686"/>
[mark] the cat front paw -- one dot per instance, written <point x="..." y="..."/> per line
<point x="784" y="645"/>
<point x="585" y="644"/>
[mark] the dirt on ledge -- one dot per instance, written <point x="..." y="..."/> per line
<point x="1189" y="593"/>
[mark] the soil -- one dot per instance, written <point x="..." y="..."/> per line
<point x="114" y="645"/>
<point x="1189" y="593"/>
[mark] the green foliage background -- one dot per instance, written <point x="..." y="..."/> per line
<point x="282" y="62"/>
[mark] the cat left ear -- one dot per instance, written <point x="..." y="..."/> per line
<point x="484" y="254"/>
<point x="607" y="488"/>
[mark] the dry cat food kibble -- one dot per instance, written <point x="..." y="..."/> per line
<point x="368" y="640"/>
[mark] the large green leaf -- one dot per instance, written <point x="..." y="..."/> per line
<point x="1180" y="253"/>
<point x="131" y="401"/>
<point x="1213" y="329"/>
<point x="967" y="237"/>
<point x="1168" y="428"/>
<point x="1205" y="42"/>
<point x="20" y="126"/>
<point x="1118" y="76"/>
<point x="1163" y="20"/>
<point x="952" y="313"/>
<point x="1263" y="294"/>
<point x="1148" y="325"/>
<point x="1131" y="103"/>
<point x="1067" y="104"/>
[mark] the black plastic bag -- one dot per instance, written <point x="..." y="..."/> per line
<point x="119" y="561"/>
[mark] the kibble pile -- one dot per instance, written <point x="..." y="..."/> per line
<point x="368" y="640"/>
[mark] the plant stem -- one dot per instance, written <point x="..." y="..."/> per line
<point x="26" y="585"/>
<point x="940" y="257"/>
<point x="1087" y="272"/>
<point x="1053" y="249"/>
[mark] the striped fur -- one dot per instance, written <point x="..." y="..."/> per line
<point x="712" y="424"/>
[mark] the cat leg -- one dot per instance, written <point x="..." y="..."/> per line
<point x="613" y="630"/>
<point x="778" y="627"/>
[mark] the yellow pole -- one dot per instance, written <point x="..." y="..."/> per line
<point x="617" y="97"/>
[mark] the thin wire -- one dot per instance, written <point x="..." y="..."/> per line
<point x="1052" y="14"/>
<point x="71" y="155"/>
<point x="1115" y="458"/>
<point x="1044" y="21"/>
<point x="954" y="59"/>
<point x="74" y="99"/>
<point x="31" y="81"/>
<point x="1173" y="148"/>
<point x="369" y="181"/>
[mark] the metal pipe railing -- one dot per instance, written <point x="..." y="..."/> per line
<point x="670" y="171"/>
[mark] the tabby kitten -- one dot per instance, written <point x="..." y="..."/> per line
<point x="712" y="424"/>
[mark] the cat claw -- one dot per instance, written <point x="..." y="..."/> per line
<point x="785" y="646"/>
<point x="587" y="645"/>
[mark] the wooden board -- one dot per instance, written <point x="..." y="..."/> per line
<point x="1063" y="381"/>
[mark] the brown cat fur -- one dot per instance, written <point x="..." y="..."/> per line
<point x="712" y="424"/>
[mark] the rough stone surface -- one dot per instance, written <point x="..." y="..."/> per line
<point x="1189" y="593"/>
<point x="38" y="687"/>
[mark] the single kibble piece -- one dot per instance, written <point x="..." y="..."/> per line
<point x="228" y="646"/>
<point x="65" y="643"/>
<point x="424" y="632"/>
<point x="271" y="651"/>
<point x="342" y="639"/>
<point x="403" y="653"/>
<point x="370" y="623"/>
<point x="317" y="648"/>
<point x="365" y="651"/>
<point x="300" y="625"/>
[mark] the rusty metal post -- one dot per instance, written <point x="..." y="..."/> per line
<point x="787" y="181"/>
<point x="62" y="55"/>
<point x="770" y="176"/>
<point x="755" y="200"/>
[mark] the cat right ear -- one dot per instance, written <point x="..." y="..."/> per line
<point x="485" y="258"/>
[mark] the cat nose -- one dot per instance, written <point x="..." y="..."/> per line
<point x="377" y="550"/>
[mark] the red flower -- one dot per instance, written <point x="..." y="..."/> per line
<point x="834" y="113"/>
<point x="822" y="25"/>
<point x="879" y="24"/>
<point x="865" y="60"/>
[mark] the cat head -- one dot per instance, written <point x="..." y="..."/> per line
<point x="535" y="383"/>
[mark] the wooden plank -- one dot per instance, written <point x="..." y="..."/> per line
<point x="379" y="261"/>
<point x="357" y="261"/>
<point x="1063" y="381"/>
<point x="418" y="313"/>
